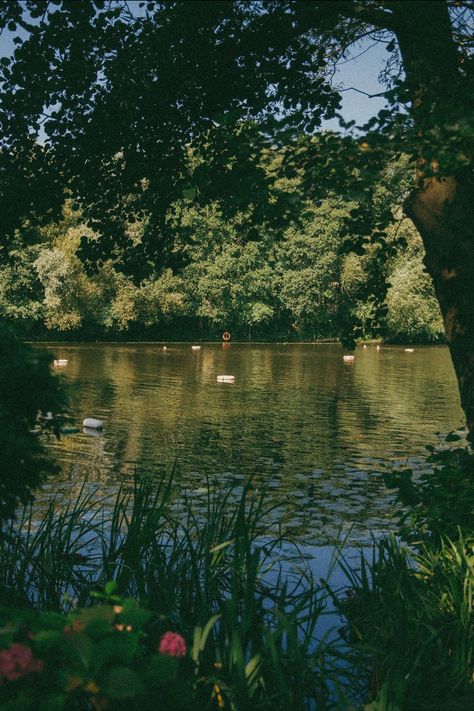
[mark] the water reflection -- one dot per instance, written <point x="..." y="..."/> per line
<point x="316" y="429"/>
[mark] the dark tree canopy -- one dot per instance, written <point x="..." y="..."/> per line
<point x="122" y="90"/>
<point x="120" y="94"/>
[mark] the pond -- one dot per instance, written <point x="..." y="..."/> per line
<point x="317" y="430"/>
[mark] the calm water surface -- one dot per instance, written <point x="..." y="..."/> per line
<point x="316" y="430"/>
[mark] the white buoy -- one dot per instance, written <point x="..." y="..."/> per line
<point x="377" y="348"/>
<point x="92" y="423"/>
<point x="409" y="350"/>
<point x="91" y="431"/>
<point x="226" y="378"/>
<point x="60" y="362"/>
<point x="348" y="358"/>
<point x="196" y="348"/>
<point x="164" y="348"/>
<point x="365" y="345"/>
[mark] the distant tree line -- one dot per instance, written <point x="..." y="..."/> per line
<point x="275" y="268"/>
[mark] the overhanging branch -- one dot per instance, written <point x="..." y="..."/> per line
<point x="372" y="15"/>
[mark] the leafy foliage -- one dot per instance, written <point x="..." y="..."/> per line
<point x="408" y="609"/>
<point x="121" y="91"/>
<point x="26" y="386"/>
<point x="101" y="657"/>
<point x="410" y="625"/>
<point x="440" y="503"/>
<point x="267" y="280"/>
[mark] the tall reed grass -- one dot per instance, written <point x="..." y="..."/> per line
<point x="213" y="566"/>
<point x="216" y="570"/>
<point x="409" y="625"/>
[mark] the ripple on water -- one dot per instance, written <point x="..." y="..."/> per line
<point x="295" y="418"/>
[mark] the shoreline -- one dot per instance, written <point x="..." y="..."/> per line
<point x="384" y="344"/>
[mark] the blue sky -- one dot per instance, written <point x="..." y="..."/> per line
<point x="361" y="73"/>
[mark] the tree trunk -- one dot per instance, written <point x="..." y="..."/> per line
<point x="442" y="206"/>
<point x="443" y="212"/>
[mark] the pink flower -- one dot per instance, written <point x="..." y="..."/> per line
<point x="17" y="661"/>
<point x="172" y="644"/>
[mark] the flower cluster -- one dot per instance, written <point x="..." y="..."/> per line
<point x="172" y="644"/>
<point x="97" y="657"/>
<point x="16" y="661"/>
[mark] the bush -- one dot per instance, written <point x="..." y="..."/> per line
<point x="26" y="386"/>
<point x="408" y="610"/>
<point x="116" y="655"/>
<point x="440" y="502"/>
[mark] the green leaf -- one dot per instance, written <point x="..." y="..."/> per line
<point x="221" y="546"/>
<point x="118" y="648"/>
<point x="189" y="193"/>
<point x="122" y="683"/>
<point x="162" y="669"/>
<point x="134" y="615"/>
<point x="201" y="635"/>
<point x="97" y="620"/>
<point x="110" y="587"/>
<point x="47" y="640"/>
<point x="82" y="647"/>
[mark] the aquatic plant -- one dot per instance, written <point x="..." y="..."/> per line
<point x="408" y="609"/>
<point x="409" y="625"/>
<point x="213" y="573"/>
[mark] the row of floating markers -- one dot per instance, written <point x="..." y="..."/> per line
<point x="351" y="358"/>
<point x="93" y="424"/>
<point x="193" y="348"/>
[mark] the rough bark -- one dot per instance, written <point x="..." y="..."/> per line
<point x="442" y="206"/>
<point x="443" y="212"/>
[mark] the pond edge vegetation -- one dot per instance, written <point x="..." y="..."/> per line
<point x="95" y="586"/>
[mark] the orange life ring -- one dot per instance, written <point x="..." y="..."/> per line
<point x="226" y="336"/>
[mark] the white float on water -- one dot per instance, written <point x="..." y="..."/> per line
<point x="377" y="348"/>
<point x="60" y="362"/>
<point x="92" y="423"/>
<point x="195" y="348"/>
<point x="91" y="432"/>
<point x="226" y="378"/>
<point x="409" y="350"/>
<point x="164" y="348"/>
<point x="348" y="358"/>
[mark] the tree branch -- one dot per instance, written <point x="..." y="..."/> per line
<point x="370" y="14"/>
<point x="359" y="91"/>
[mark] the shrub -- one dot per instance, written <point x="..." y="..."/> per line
<point x="26" y="385"/>
<point x="440" y="502"/>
